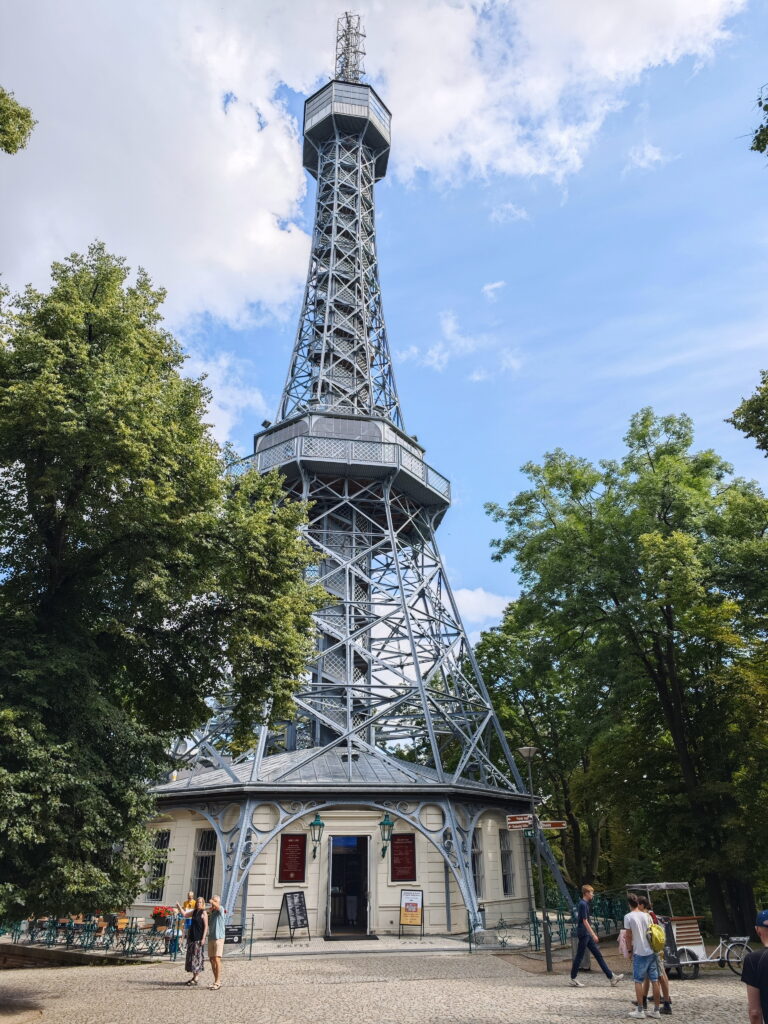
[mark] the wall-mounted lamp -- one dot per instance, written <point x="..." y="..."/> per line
<point x="386" y="825"/>
<point x="316" y="832"/>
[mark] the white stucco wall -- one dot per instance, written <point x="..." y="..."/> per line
<point x="264" y="892"/>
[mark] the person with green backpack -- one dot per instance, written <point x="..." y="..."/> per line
<point x="645" y="963"/>
<point x="657" y="939"/>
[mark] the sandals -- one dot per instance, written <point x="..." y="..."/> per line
<point x="215" y="986"/>
<point x="192" y="981"/>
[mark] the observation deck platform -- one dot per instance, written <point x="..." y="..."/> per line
<point x="371" y="450"/>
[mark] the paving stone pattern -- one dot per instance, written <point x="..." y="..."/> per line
<point x="437" y="988"/>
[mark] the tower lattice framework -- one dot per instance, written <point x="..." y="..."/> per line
<point x="394" y="685"/>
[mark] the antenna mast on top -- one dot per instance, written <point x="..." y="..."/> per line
<point x="349" y="48"/>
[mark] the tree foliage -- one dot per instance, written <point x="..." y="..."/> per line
<point x="751" y="415"/>
<point x="760" y="135"/>
<point x="639" y="587"/>
<point x="16" y="123"/>
<point x="138" y="580"/>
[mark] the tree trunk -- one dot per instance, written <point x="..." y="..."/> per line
<point x="732" y="901"/>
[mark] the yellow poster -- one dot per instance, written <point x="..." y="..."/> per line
<point x="411" y="906"/>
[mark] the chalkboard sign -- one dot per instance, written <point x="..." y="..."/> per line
<point x="293" y="913"/>
<point x="233" y="934"/>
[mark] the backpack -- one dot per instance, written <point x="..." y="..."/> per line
<point x="656" y="937"/>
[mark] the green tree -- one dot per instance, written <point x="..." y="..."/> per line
<point x="16" y="123"/>
<point x="548" y="691"/>
<point x="648" y="561"/>
<point x="751" y="415"/>
<point x="138" y="581"/>
<point x="760" y="135"/>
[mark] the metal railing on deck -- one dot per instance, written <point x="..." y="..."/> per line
<point x="339" y="449"/>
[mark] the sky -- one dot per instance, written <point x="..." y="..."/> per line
<point x="572" y="226"/>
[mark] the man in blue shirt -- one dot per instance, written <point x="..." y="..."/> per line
<point x="588" y="940"/>
<point x="216" y="935"/>
<point x="754" y="974"/>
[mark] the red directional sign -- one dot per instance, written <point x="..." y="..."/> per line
<point x="553" y="824"/>
<point x="519" y="820"/>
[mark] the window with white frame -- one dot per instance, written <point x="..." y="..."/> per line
<point x="205" y="862"/>
<point x="477" y="861"/>
<point x="507" y="862"/>
<point x="156" y="872"/>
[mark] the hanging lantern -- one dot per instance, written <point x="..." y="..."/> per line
<point x="316" y="832"/>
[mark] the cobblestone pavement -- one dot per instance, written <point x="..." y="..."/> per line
<point x="359" y="989"/>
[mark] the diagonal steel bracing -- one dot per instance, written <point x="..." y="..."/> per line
<point x="393" y="680"/>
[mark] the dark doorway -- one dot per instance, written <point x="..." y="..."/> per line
<point x="348" y="885"/>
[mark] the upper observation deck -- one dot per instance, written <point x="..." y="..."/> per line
<point x="347" y="107"/>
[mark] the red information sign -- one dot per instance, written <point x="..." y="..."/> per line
<point x="403" y="858"/>
<point x="293" y="858"/>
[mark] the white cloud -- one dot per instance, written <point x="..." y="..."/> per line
<point x="453" y="343"/>
<point x="505" y="212"/>
<point x="644" y="157"/>
<point x="489" y="290"/>
<point x="406" y="355"/>
<point x="478" y="376"/>
<point x="230" y="398"/>
<point x="510" y="360"/>
<point x="478" y="607"/>
<point x="134" y="145"/>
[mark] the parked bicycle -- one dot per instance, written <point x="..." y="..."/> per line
<point x="730" y="950"/>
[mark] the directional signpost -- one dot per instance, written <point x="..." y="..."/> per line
<point x="519" y="821"/>
<point x="526" y="823"/>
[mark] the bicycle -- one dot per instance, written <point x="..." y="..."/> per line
<point x="730" y="950"/>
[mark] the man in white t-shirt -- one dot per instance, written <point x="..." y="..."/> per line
<point x="645" y="963"/>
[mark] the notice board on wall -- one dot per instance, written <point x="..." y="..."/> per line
<point x="403" y="858"/>
<point x="293" y="858"/>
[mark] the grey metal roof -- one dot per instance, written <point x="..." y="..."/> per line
<point x="305" y="769"/>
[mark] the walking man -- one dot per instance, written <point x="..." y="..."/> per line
<point x="754" y="974"/>
<point x="645" y="963"/>
<point x="588" y="939"/>
<point x="216" y="939"/>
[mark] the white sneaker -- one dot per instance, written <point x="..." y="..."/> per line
<point x="616" y="979"/>
<point x="654" y="1013"/>
<point x="576" y="983"/>
<point x="637" y="1014"/>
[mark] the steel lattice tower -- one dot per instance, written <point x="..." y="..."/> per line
<point x="394" y="691"/>
<point x="394" y="668"/>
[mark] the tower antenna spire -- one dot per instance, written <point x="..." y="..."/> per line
<point x="349" y="48"/>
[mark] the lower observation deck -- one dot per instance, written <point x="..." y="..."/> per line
<point x="370" y="460"/>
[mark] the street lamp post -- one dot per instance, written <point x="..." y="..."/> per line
<point x="528" y="753"/>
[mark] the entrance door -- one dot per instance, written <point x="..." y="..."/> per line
<point x="348" y="885"/>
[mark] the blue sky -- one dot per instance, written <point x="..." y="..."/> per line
<point x="536" y="292"/>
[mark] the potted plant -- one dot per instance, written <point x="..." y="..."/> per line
<point x="162" y="915"/>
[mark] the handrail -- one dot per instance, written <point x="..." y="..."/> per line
<point x="342" y="449"/>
